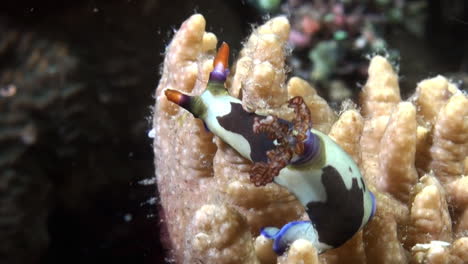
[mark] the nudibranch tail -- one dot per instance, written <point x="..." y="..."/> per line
<point x="220" y="64"/>
<point x="291" y="232"/>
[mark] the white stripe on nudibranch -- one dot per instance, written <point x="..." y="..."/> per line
<point x="219" y="106"/>
<point x="340" y="160"/>
<point x="305" y="184"/>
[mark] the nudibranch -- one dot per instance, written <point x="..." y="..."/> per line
<point x="322" y="176"/>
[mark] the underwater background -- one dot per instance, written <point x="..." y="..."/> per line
<point x="77" y="82"/>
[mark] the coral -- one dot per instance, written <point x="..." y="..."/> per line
<point x="412" y="154"/>
<point x="221" y="235"/>
<point x="301" y="251"/>
<point x="260" y="68"/>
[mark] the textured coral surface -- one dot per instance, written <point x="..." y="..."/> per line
<point x="413" y="155"/>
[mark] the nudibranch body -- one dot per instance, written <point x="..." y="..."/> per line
<point x="223" y="114"/>
<point x="333" y="192"/>
<point x="322" y="176"/>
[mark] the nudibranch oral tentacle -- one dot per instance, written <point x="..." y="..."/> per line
<point x="322" y="176"/>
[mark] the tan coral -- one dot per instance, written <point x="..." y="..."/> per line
<point x="381" y="240"/>
<point x="175" y="162"/>
<point x="352" y="252"/>
<point x="461" y="224"/>
<point x="437" y="252"/>
<point x="399" y="140"/>
<point x="381" y="93"/>
<point x="347" y="132"/>
<point x="379" y="97"/>
<point x="457" y="192"/>
<point x="322" y="114"/>
<point x="424" y="142"/>
<point x="431" y="95"/>
<point x="301" y="251"/>
<point x="260" y="72"/>
<point x="459" y="251"/>
<point x="430" y="219"/>
<point x="465" y="165"/>
<point x="450" y="147"/>
<point x="220" y="235"/>
<point x="264" y="250"/>
<point x="211" y="212"/>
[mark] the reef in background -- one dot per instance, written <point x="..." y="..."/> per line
<point x="332" y="39"/>
<point x="412" y="153"/>
<point x="62" y="192"/>
<point x="32" y="83"/>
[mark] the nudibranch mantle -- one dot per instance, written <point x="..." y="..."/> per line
<point x="322" y="176"/>
<point x="334" y="194"/>
<point x="221" y="105"/>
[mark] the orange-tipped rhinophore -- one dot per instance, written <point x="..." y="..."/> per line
<point x="222" y="57"/>
<point x="174" y="96"/>
<point x="179" y="98"/>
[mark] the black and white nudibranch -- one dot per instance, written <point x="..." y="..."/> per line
<point x="322" y="176"/>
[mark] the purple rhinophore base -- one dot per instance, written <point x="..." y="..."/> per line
<point x="219" y="73"/>
<point x="311" y="149"/>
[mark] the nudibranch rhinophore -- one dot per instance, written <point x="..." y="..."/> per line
<point x="322" y="176"/>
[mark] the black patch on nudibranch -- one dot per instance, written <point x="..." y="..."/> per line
<point x="241" y="122"/>
<point x="350" y="170"/>
<point x="363" y="184"/>
<point x="340" y="217"/>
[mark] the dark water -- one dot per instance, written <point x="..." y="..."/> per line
<point x="74" y="149"/>
<point x="73" y="193"/>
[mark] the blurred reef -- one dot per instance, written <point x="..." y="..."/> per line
<point x="332" y="41"/>
<point x="76" y="87"/>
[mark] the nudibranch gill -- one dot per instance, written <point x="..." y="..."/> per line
<point x="322" y="176"/>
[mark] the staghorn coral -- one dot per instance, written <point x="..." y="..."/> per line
<point x="212" y="213"/>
